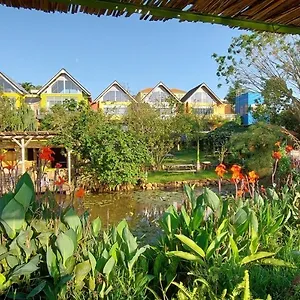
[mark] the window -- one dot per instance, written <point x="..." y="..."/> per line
<point x="118" y="110"/>
<point x="201" y="97"/>
<point x="203" y="110"/>
<point x="6" y="87"/>
<point x="63" y="85"/>
<point x="116" y="94"/>
<point x="52" y="100"/>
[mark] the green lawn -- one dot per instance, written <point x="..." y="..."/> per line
<point x="164" y="177"/>
<point x="188" y="156"/>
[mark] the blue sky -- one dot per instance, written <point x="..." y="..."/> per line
<point x="96" y="51"/>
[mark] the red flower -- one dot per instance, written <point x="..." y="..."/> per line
<point x="46" y="154"/>
<point x="253" y="177"/>
<point x="220" y="170"/>
<point x="288" y="148"/>
<point x="236" y="169"/>
<point x="58" y="166"/>
<point x="276" y="155"/>
<point x="9" y="167"/>
<point x="80" y="193"/>
<point x="60" y="181"/>
<point x="2" y="156"/>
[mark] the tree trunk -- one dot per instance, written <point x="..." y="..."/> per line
<point x="198" y="167"/>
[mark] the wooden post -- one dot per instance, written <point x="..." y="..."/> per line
<point x="23" y="146"/>
<point x="69" y="165"/>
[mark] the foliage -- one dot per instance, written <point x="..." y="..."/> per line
<point x="253" y="147"/>
<point x="111" y="155"/>
<point x="160" y="135"/>
<point x="16" y="118"/>
<point x="267" y="63"/>
<point x="235" y="90"/>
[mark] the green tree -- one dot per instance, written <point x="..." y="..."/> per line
<point x="160" y="135"/>
<point x="234" y="90"/>
<point x="16" y="119"/>
<point x="28" y="86"/>
<point x="267" y="63"/>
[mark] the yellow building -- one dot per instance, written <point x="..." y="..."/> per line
<point x="10" y="89"/>
<point x="201" y="100"/>
<point x="62" y="86"/>
<point x="160" y="97"/>
<point x="114" y="100"/>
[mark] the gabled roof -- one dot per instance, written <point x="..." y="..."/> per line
<point x="205" y="87"/>
<point x="178" y="91"/>
<point x="165" y="87"/>
<point x="63" y="72"/>
<point x="17" y="86"/>
<point x="109" y="87"/>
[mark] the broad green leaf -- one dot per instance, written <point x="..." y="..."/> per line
<point x="276" y="262"/>
<point x="255" y="257"/>
<point x="158" y="263"/>
<point x="130" y="240"/>
<point x="13" y="215"/>
<point x="211" y="199"/>
<point x="28" y="268"/>
<point x="2" y="280"/>
<point x="12" y="261"/>
<point x="44" y="238"/>
<point x="109" y="266"/>
<point x="240" y="217"/>
<point x="185" y="255"/>
<point x="198" y="215"/>
<point x="191" y="244"/>
<point x="136" y="256"/>
<point x="72" y="219"/>
<point x="185" y="216"/>
<point x="121" y="227"/>
<point x="25" y="178"/>
<point x="96" y="226"/>
<point x="72" y="235"/>
<point x="65" y="246"/>
<point x="5" y="199"/>
<point x="234" y="249"/>
<point x="254" y="241"/>
<point x="81" y="271"/>
<point x="222" y="226"/>
<point x="254" y="221"/>
<point x="36" y="290"/>
<point x="215" y="244"/>
<point x="52" y="264"/>
<point x="24" y="196"/>
<point x="92" y="262"/>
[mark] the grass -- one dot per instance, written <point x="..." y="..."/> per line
<point x="188" y="156"/>
<point x="164" y="177"/>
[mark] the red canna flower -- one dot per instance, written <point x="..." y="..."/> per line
<point x="220" y="170"/>
<point x="288" y="148"/>
<point x="58" y="166"/>
<point x="80" y="193"/>
<point x="46" y="154"/>
<point x="253" y="177"/>
<point x="60" y="181"/>
<point x="276" y="155"/>
<point x="277" y="144"/>
<point x="236" y="169"/>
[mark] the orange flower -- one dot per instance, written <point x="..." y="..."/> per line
<point x="80" y="193"/>
<point x="46" y="154"/>
<point x="276" y="155"/>
<point x="2" y="156"/>
<point x="240" y="193"/>
<point x="253" y="177"/>
<point x="60" y="181"/>
<point x="277" y="144"/>
<point x="58" y="166"/>
<point x="220" y="170"/>
<point x="236" y="169"/>
<point x="288" y="148"/>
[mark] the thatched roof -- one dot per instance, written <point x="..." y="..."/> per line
<point x="282" y="16"/>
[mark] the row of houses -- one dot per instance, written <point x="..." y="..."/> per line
<point x="115" y="99"/>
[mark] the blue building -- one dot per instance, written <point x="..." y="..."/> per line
<point x="243" y="103"/>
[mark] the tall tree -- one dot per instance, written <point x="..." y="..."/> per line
<point x="267" y="63"/>
<point x="28" y="86"/>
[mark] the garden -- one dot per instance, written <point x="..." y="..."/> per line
<point x="211" y="246"/>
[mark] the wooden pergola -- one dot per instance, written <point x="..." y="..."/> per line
<point x="30" y="139"/>
<point x="281" y="16"/>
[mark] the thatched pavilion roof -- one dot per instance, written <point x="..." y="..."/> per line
<point x="282" y="16"/>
